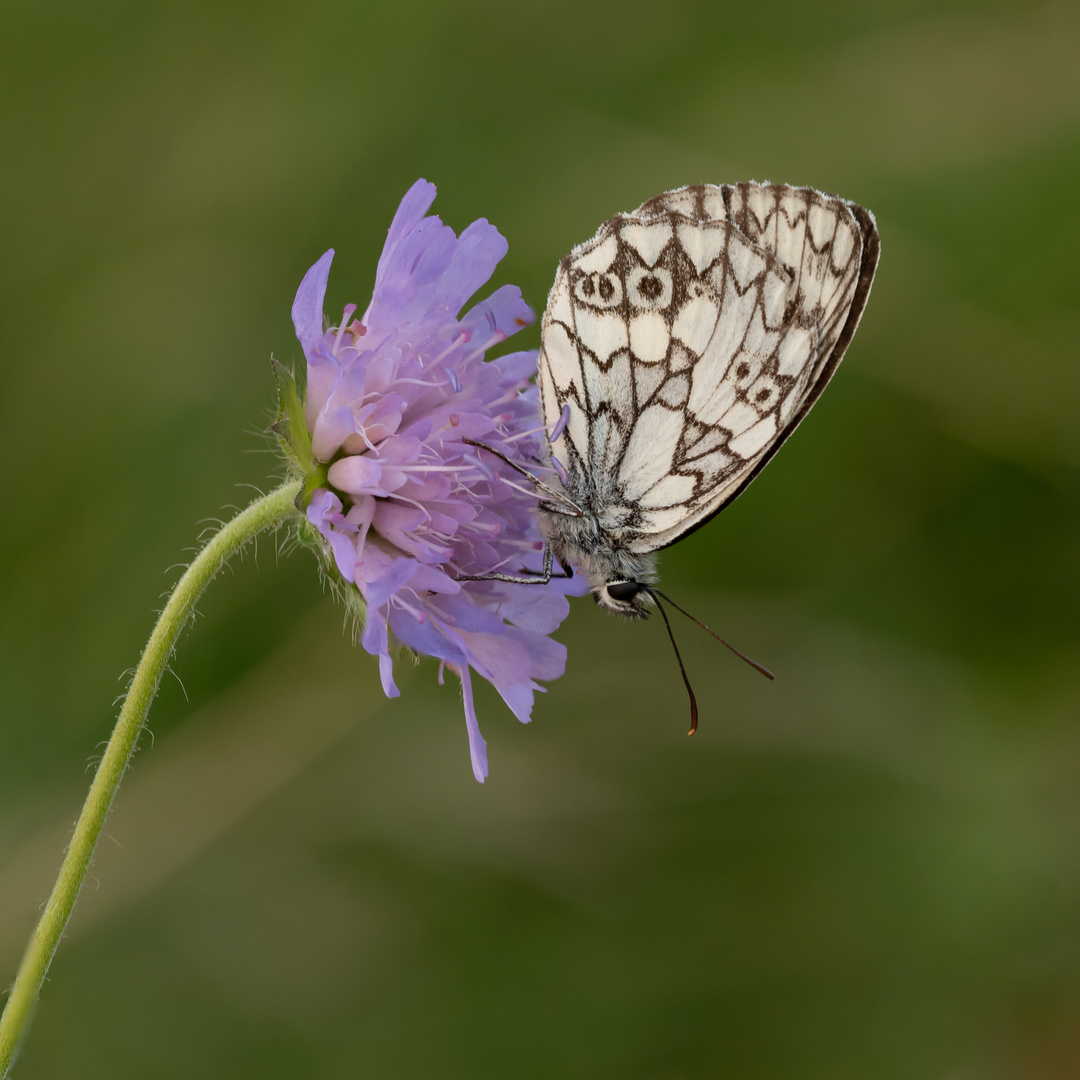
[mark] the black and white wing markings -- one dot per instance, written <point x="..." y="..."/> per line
<point x="690" y="338"/>
<point x="831" y="246"/>
<point x="634" y="340"/>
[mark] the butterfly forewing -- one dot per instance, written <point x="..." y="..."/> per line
<point x="689" y="338"/>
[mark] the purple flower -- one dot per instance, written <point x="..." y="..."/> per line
<point x="405" y="505"/>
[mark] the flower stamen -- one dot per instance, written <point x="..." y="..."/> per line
<point x="347" y="314"/>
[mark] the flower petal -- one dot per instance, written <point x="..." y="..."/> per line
<point x="539" y="610"/>
<point x="324" y="512"/>
<point x="506" y="665"/>
<point x="307" y="309"/>
<point x="376" y="641"/>
<point x="504" y="310"/>
<point x="479" y="249"/>
<point x="414" y="206"/>
<point x="329" y="431"/>
<point x="477" y="746"/>
<point x="380" y="576"/>
<point x="356" y="475"/>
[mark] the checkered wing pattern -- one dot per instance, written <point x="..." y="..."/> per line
<point x="689" y="339"/>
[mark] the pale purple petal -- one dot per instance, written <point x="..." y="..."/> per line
<point x="414" y="206"/>
<point x="547" y="657"/>
<point x="429" y="637"/>
<point x="519" y="698"/>
<point x="356" y="474"/>
<point x="323" y="504"/>
<point x="407" y="287"/>
<point x="386" y="676"/>
<point x="307" y="309"/>
<point x="392" y="575"/>
<point x="477" y="746"/>
<point x="344" y="548"/>
<point x="539" y="610"/>
<point x="322" y="372"/>
<point x="480" y="248"/>
<point x="432" y="579"/>
<point x="330" y="430"/>
<point x="428" y="258"/>
<point x="508" y="668"/>
<point x="503" y="310"/>
<point x="376" y="641"/>
<point x="324" y="512"/>
<point x="519" y="365"/>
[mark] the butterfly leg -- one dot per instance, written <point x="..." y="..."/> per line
<point x="565" y="505"/>
<point x="538" y="575"/>
<point x="527" y="577"/>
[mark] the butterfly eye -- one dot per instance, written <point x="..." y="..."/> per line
<point x="649" y="288"/>
<point x="623" y="591"/>
<point x="599" y="290"/>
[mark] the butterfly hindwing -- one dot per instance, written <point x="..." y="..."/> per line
<point x="689" y="339"/>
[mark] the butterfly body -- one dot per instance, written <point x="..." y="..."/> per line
<point x="681" y="346"/>
<point x="597" y="548"/>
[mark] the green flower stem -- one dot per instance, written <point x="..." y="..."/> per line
<point x="268" y="511"/>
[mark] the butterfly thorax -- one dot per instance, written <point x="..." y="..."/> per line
<point x="598" y="554"/>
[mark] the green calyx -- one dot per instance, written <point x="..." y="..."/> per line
<point x="293" y="435"/>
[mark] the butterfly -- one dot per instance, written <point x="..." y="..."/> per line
<point x="680" y="347"/>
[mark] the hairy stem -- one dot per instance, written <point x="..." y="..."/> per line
<point x="266" y="512"/>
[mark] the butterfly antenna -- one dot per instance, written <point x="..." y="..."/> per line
<point x="738" y="652"/>
<point x="682" y="669"/>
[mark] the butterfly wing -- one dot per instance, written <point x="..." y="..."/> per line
<point x="690" y="338"/>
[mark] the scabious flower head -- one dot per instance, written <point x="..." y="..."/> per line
<point x="404" y="504"/>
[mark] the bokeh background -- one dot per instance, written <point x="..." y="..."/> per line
<point x="870" y="868"/>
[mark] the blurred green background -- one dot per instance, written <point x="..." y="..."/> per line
<point x="870" y="868"/>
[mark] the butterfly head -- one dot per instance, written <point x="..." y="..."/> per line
<point x="628" y="599"/>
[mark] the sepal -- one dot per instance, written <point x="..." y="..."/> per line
<point x="290" y="426"/>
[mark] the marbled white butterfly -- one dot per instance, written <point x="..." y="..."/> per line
<point x="680" y="347"/>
